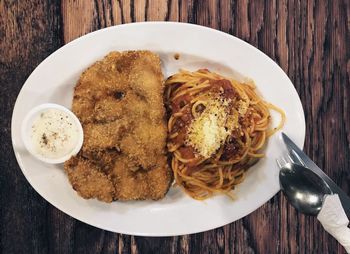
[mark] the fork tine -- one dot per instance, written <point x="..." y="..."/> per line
<point x="290" y="157"/>
<point x="296" y="158"/>
<point x="281" y="162"/>
<point x="287" y="158"/>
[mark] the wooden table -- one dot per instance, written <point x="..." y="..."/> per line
<point x="310" y="40"/>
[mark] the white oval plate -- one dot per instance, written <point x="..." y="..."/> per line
<point x="199" y="47"/>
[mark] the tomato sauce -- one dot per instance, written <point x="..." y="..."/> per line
<point x="183" y="103"/>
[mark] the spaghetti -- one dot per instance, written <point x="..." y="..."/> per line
<point x="217" y="127"/>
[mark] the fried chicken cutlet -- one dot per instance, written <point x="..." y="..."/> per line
<point x="119" y="102"/>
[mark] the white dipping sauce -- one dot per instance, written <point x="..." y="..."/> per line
<point x="54" y="134"/>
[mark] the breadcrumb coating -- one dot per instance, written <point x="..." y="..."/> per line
<point x="119" y="102"/>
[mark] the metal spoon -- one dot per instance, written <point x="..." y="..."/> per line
<point x="304" y="189"/>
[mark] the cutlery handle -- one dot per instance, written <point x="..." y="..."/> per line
<point x="333" y="219"/>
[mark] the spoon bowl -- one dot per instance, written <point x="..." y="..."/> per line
<point x="304" y="189"/>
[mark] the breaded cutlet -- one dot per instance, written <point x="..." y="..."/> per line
<point x="119" y="101"/>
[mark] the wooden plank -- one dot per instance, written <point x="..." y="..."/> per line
<point x="79" y="18"/>
<point x="29" y="32"/>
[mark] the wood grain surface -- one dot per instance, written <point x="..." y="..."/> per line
<point x="310" y="40"/>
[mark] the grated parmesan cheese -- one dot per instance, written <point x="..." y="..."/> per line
<point x="242" y="107"/>
<point x="209" y="131"/>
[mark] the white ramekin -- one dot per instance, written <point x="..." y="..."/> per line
<point x="27" y="126"/>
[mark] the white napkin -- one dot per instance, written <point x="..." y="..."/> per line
<point x="334" y="220"/>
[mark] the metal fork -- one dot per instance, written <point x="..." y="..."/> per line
<point x="290" y="157"/>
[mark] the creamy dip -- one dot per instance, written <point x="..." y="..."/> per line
<point x="54" y="134"/>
